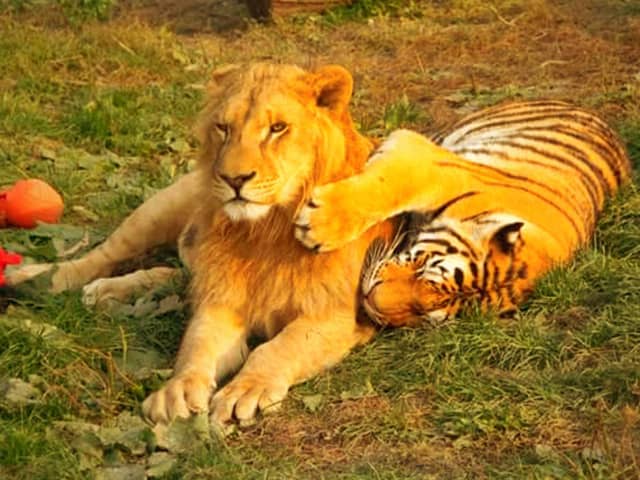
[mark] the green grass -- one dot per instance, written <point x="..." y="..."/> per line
<point x="365" y="9"/>
<point x="103" y="112"/>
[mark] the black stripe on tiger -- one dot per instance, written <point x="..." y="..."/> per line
<point x="543" y="170"/>
<point x="492" y="153"/>
<point x="581" y="234"/>
<point x="574" y="152"/>
<point x="596" y="129"/>
<point x="456" y="235"/>
<point x="604" y="149"/>
<point x="511" y="109"/>
<point x="596" y="195"/>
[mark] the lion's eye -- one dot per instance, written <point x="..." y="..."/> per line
<point x="222" y="128"/>
<point x="278" y="127"/>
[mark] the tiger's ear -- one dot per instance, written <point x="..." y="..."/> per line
<point x="333" y="86"/>
<point x="504" y="240"/>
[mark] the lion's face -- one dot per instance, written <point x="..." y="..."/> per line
<point x="271" y="132"/>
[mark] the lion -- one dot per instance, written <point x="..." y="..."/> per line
<point x="270" y="134"/>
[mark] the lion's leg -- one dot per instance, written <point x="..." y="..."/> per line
<point x="213" y="346"/>
<point x="158" y="221"/>
<point x="125" y="287"/>
<point x="301" y="350"/>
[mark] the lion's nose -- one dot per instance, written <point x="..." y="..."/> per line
<point x="238" y="181"/>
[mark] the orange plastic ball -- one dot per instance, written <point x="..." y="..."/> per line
<point x="31" y="201"/>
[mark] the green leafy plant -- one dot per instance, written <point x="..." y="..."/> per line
<point x="401" y="113"/>
<point x="364" y="9"/>
<point x="78" y="11"/>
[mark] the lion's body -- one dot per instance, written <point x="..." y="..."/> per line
<point x="281" y="160"/>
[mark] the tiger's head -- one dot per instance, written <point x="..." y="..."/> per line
<point x="435" y="267"/>
<point x="271" y="132"/>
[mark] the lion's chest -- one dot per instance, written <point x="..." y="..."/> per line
<point x="271" y="283"/>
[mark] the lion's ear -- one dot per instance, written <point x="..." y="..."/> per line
<point x="333" y="85"/>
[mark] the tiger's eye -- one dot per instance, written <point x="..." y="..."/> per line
<point x="278" y="127"/>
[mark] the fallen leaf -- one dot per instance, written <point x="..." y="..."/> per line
<point x="172" y="303"/>
<point x="312" y="402"/>
<point x="47" y="153"/>
<point x="88" y="448"/>
<point x="360" y="391"/>
<point x="48" y="332"/>
<point x="15" y="392"/>
<point x="180" y="145"/>
<point x="122" y="472"/>
<point x="181" y="435"/>
<point x="130" y="433"/>
<point x="86" y="213"/>
<point x="159" y="464"/>
<point x="137" y="361"/>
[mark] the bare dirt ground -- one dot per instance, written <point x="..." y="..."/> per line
<point x="449" y="60"/>
<point x="187" y="17"/>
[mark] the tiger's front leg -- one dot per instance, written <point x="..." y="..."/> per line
<point x="402" y="175"/>
<point x="213" y="345"/>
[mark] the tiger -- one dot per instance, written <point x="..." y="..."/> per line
<point x="486" y="208"/>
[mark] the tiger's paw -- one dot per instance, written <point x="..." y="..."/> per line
<point x="244" y="397"/>
<point x="182" y="396"/>
<point x="331" y="218"/>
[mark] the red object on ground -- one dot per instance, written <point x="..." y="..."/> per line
<point x="29" y="202"/>
<point x="7" y="258"/>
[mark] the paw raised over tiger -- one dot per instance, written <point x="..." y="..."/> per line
<point x="508" y="193"/>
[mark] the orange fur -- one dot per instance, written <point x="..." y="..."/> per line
<point x="269" y="134"/>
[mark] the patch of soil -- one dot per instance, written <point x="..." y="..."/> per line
<point x="187" y="16"/>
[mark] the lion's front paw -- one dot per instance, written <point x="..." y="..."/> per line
<point x="331" y="218"/>
<point x="244" y="396"/>
<point x="101" y="291"/>
<point x="180" y="397"/>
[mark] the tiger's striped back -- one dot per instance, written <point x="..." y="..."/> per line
<point x="552" y="140"/>
<point x="524" y="192"/>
